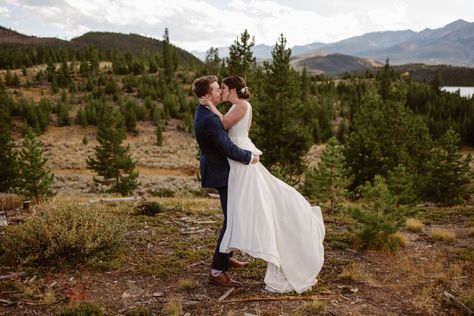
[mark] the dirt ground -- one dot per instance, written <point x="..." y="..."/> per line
<point x="165" y="260"/>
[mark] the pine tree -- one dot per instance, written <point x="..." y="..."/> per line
<point x="378" y="217"/>
<point x="384" y="135"/>
<point x="241" y="58"/>
<point x="385" y="79"/>
<point x="448" y="176"/>
<point x="34" y="179"/>
<point x="8" y="163"/>
<point x="212" y="61"/>
<point x="168" y="65"/>
<point x="112" y="161"/>
<point x="328" y="182"/>
<point x="63" y="114"/>
<point x="279" y="131"/>
<point x="402" y="185"/>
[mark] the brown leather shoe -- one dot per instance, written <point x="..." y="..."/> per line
<point x="236" y="264"/>
<point x="223" y="280"/>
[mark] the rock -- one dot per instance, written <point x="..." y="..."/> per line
<point x="132" y="292"/>
<point x="157" y="294"/>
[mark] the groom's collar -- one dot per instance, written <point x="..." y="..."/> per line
<point x="205" y="106"/>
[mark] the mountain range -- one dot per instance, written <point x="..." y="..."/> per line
<point x="452" y="44"/>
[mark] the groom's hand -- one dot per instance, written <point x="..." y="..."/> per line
<point x="256" y="158"/>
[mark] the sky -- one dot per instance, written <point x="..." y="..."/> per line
<point x="198" y="25"/>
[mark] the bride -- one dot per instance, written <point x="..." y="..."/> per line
<point x="267" y="218"/>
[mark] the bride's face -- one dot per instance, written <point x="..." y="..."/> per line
<point x="225" y="92"/>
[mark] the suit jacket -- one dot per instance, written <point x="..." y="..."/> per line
<point x="215" y="147"/>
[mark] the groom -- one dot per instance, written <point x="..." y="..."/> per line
<point x="215" y="148"/>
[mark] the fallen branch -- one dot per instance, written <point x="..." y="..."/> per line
<point x="6" y="302"/>
<point x="225" y="295"/>
<point x="14" y="275"/>
<point x="278" y="298"/>
<point x="458" y="303"/>
<point x="115" y="200"/>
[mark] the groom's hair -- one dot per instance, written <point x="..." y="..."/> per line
<point x="201" y="85"/>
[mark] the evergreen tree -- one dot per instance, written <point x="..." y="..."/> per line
<point x="8" y="163"/>
<point x="63" y="114"/>
<point x="241" y="58"/>
<point x="385" y="79"/>
<point x="212" y="61"/>
<point x="112" y="161"/>
<point x="378" y="217"/>
<point x="328" y="182"/>
<point x="159" y="134"/>
<point x="435" y="83"/>
<point x="34" y="179"/>
<point x="168" y="65"/>
<point x="279" y="130"/>
<point x="384" y="135"/>
<point x="402" y="185"/>
<point x="448" y="176"/>
<point x="81" y="117"/>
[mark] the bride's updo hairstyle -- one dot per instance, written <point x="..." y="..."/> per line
<point x="237" y="83"/>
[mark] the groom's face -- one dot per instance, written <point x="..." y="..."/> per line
<point x="215" y="92"/>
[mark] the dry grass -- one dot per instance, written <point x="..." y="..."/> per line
<point x="49" y="298"/>
<point x="187" y="284"/>
<point x="9" y="202"/>
<point x="399" y="239"/>
<point x="314" y="307"/>
<point x="352" y="272"/>
<point x="443" y="234"/>
<point x="174" y="307"/>
<point x="414" y="225"/>
<point x="423" y="300"/>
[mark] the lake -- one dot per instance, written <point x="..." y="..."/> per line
<point x="464" y="91"/>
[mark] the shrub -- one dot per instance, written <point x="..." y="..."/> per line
<point x="86" y="309"/>
<point x="442" y="234"/>
<point x="414" y="225"/>
<point x="65" y="231"/>
<point x="314" y="307"/>
<point x="174" y="307"/>
<point x="379" y="217"/>
<point x="149" y="208"/>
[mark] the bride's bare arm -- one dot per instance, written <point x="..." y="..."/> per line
<point x="230" y="118"/>
<point x="233" y="117"/>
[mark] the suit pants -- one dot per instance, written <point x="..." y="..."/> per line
<point x="220" y="260"/>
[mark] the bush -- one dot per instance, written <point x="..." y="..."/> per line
<point x="66" y="231"/>
<point x="379" y="217"/>
<point x="149" y="208"/>
<point x="86" y="309"/>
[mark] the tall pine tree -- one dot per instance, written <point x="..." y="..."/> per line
<point x="279" y="130"/>
<point x="112" y="161"/>
<point x="241" y="58"/>
<point x="34" y="179"/>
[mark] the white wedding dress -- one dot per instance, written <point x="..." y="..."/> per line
<point x="270" y="220"/>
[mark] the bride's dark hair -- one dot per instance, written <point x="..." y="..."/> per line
<point x="237" y="83"/>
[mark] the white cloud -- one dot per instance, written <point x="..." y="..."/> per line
<point x="4" y="12"/>
<point x="197" y="24"/>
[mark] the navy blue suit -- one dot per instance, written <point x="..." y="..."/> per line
<point x="216" y="147"/>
